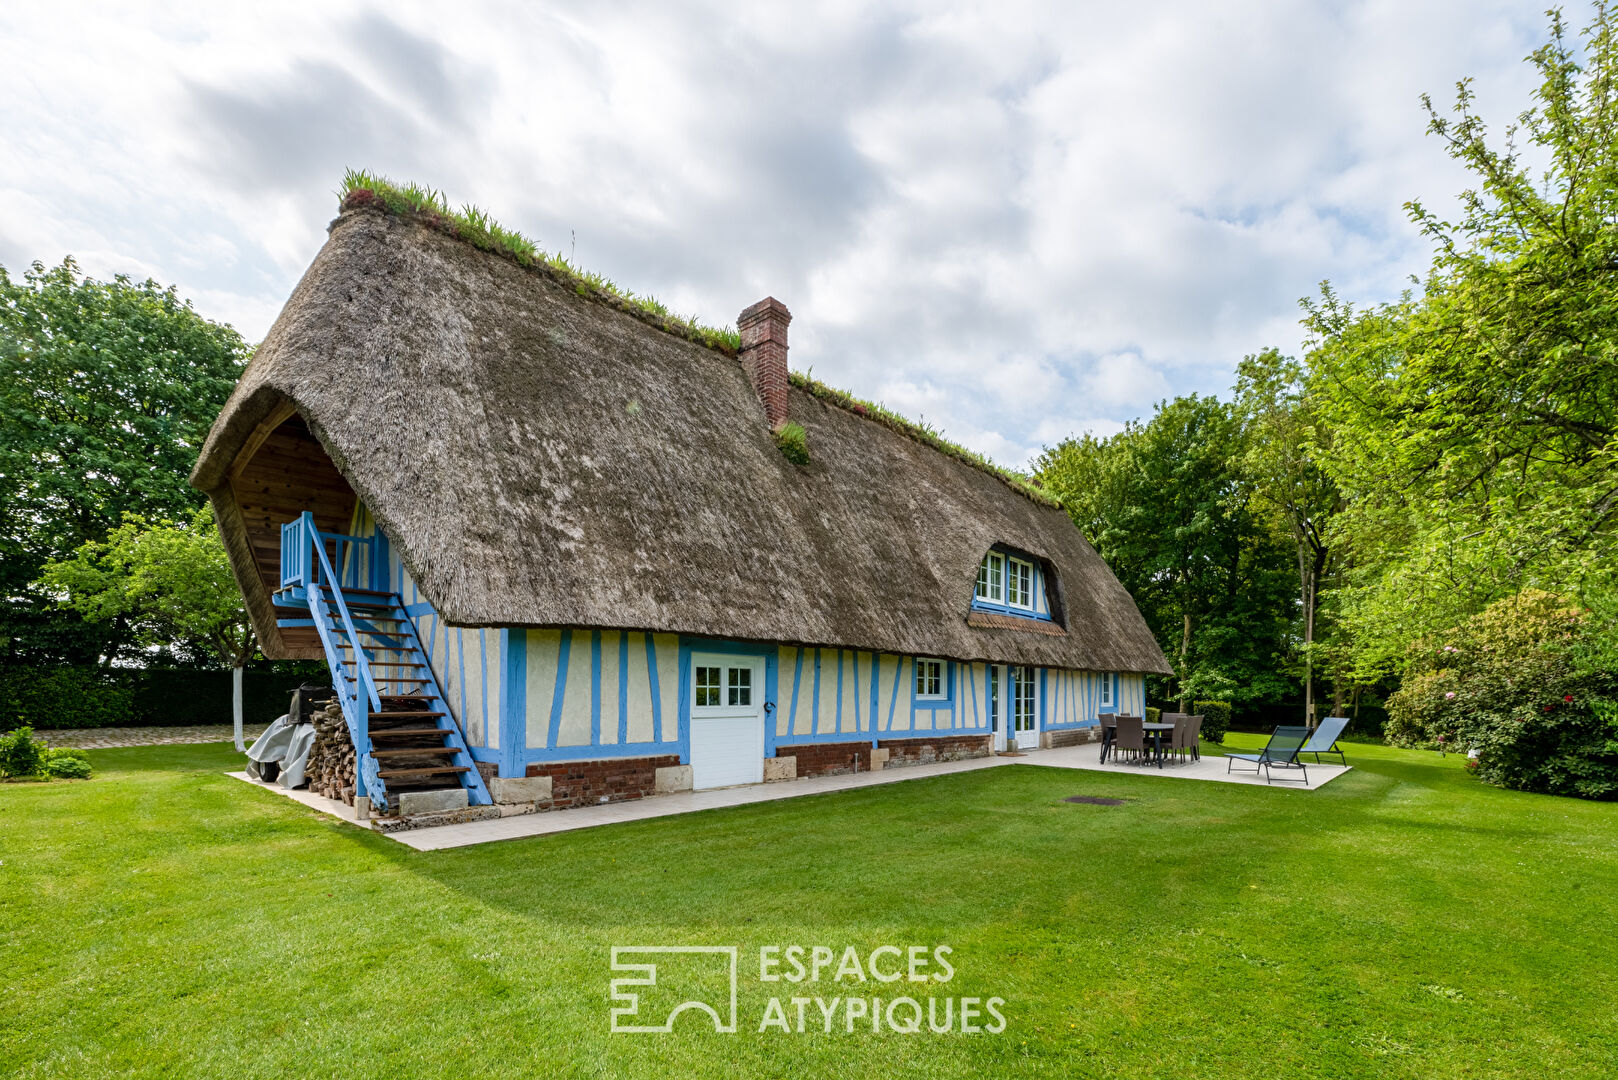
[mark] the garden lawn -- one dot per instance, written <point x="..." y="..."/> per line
<point x="1404" y="921"/>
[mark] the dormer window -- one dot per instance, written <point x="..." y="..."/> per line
<point x="1011" y="584"/>
<point x="1019" y="583"/>
<point x="992" y="578"/>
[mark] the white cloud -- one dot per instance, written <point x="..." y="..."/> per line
<point x="1019" y="220"/>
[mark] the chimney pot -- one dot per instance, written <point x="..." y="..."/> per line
<point x="764" y="354"/>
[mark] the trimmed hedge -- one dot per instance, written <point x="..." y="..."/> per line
<point x="1215" y="719"/>
<point x="49" y="699"/>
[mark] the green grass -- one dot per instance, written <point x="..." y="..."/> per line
<point x="1404" y="921"/>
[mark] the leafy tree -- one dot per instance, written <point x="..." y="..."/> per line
<point x="1166" y="505"/>
<point x="170" y="583"/>
<point x="1281" y="463"/>
<point x="1509" y="684"/>
<point x="107" y="390"/>
<point x="1473" y="423"/>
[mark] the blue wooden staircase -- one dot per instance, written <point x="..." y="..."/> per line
<point x="405" y="737"/>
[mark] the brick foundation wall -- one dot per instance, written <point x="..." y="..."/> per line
<point x="924" y="751"/>
<point x="1070" y="737"/>
<point x="829" y="759"/>
<point x="589" y="783"/>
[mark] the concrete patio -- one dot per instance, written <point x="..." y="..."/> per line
<point x="1210" y="768"/>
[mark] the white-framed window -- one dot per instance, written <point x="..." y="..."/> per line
<point x="992" y="578"/>
<point x="707" y="682"/>
<point x="1019" y="583"/>
<point x="930" y="680"/>
<point x="1108" y="696"/>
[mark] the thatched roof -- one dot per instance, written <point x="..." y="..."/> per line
<point x="539" y="459"/>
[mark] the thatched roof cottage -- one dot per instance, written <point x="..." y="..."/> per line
<point x="551" y="548"/>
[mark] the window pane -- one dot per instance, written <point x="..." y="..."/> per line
<point x="982" y="589"/>
<point x="741" y="686"/>
<point x="997" y="565"/>
<point x="707" y="686"/>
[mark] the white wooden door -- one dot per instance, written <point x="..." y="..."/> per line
<point x="727" y="720"/>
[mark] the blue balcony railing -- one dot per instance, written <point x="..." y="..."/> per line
<point x="357" y="560"/>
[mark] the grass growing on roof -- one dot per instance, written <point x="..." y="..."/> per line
<point x="793" y="442"/>
<point x="360" y="189"/>
<point x="923" y="433"/>
<point x="1403" y="921"/>
<point x="477" y="228"/>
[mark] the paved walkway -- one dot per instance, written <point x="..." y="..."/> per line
<point x="110" y="738"/>
<point x="1210" y="768"/>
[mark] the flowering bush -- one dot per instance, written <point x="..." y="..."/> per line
<point x="1508" y="683"/>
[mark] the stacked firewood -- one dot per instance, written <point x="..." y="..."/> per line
<point x="331" y="759"/>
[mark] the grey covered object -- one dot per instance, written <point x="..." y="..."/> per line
<point x="287" y="746"/>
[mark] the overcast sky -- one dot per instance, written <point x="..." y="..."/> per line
<point x="1018" y="221"/>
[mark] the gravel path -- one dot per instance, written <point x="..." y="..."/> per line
<point x="107" y="738"/>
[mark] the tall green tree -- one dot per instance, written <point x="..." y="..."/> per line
<point x="1474" y="421"/>
<point x="1166" y="505"/>
<point x="107" y="390"/>
<point x="1281" y="463"/>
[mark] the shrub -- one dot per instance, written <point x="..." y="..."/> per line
<point x="1507" y="683"/>
<point x="794" y="442"/>
<point x="1215" y="719"/>
<point x="21" y="754"/>
<point x="67" y="764"/>
<point x="1154" y="715"/>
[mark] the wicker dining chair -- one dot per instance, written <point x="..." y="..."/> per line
<point x="1130" y="736"/>
<point x="1109" y="723"/>
<point x="1193" y="738"/>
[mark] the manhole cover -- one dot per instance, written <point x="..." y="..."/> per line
<point x="1094" y="800"/>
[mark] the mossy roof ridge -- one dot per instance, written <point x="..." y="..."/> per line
<point x="367" y="191"/>
<point x="924" y="434"/>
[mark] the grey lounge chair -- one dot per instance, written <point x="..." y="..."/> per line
<point x="1324" y="739"/>
<point x="1282" y="750"/>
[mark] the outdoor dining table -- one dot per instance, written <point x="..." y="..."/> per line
<point x="1154" y="730"/>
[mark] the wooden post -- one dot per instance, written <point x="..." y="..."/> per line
<point x="236" y="706"/>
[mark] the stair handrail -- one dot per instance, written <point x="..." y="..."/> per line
<point x="330" y="579"/>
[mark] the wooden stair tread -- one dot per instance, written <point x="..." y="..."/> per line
<point x="392" y="732"/>
<point x="442" y="770"/>
<point x="403" y="714"/>
<point x="406" y="751"/>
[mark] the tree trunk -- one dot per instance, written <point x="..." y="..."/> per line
<point x="236" y="705"/>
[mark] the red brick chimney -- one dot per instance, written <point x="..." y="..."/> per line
<point x="764" y="354"/>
